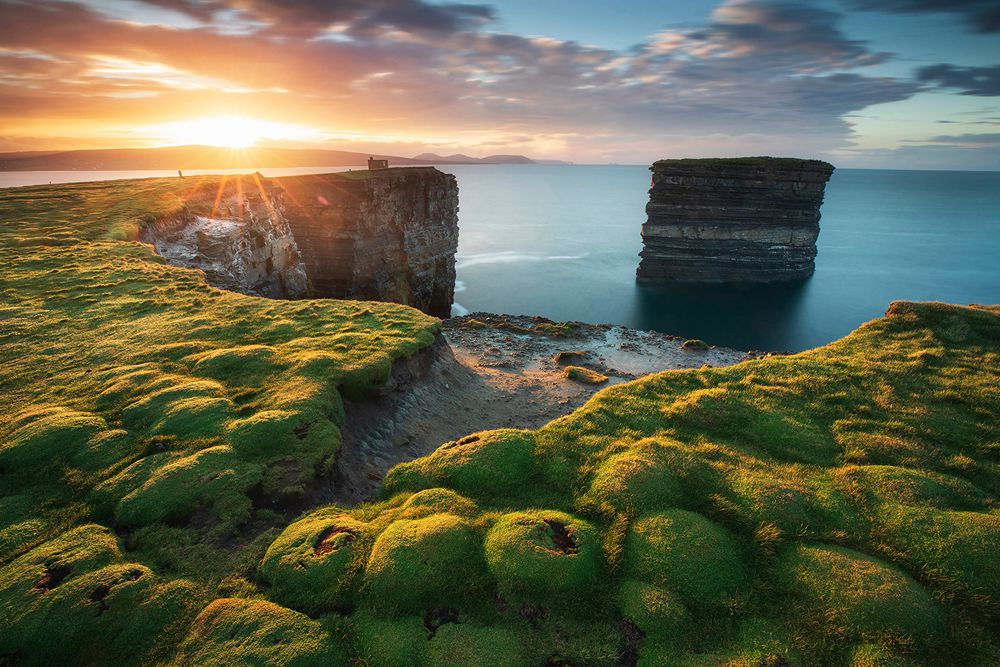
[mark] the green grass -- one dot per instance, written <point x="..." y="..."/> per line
<point x="834" y="507"/>
<point x="142" y="398"/>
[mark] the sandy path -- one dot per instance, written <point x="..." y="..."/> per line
<point x="493" y="371"/>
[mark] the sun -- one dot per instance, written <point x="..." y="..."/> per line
<point x="228" y="132"/>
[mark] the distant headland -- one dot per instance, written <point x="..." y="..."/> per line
<point x="216" y="157"/>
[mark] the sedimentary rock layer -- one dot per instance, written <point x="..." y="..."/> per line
<point x="732" y="220"/>
<point x="388" y="235"/>
<point x="242" y="242"/>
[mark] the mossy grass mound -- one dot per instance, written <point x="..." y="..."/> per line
<point x="493" y="466"/>
<point x="255" y="632"/>
<point x="849" y="594"/>
<point x="419" y="564"/>
<point x="213" y="478"/>
<point x="396" y="642"/>
<point x="796" y="501"/>
<point x="685" y="552"/>
<point x="545" y="556"/>
<point x="658" y="613"/>
<point x="77" y="588"/>
<point x="462" y="645"/>
<point x="435" y="501"/>
<point x="895" y="484"/>
<point x="44" y="440"/>
<point x="313" y="564"/>
<point x="955" y="551"/>
<point x="651" y="474"/>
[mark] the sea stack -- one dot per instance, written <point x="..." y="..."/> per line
<point x="753" y="219"/>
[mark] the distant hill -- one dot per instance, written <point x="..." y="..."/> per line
<point x="212" y="157"/>
<point x="459" y="158"/>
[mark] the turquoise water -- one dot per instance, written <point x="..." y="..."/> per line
<point x="563" y="241"/>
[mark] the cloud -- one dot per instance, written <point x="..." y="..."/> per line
<point x="786" y="34"/>
<point x="988" y="139"/>
<point x="760" y="76"/>
<point x="983" y="81"/>
<point x="982" y="16"/>
<point x="314" y="16"/>
<point x="924" y="156"/>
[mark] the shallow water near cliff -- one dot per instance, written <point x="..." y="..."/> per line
<point x="563" y="242"/>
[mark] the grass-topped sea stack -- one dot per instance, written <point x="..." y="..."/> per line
<point x="750" y="219"/>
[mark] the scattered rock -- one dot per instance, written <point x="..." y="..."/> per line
<point x="584" y="375"/>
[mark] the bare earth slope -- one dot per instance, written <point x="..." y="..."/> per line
<point x="496" y="371"/>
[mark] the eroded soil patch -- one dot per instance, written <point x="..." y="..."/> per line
<point x="494" y="371"/>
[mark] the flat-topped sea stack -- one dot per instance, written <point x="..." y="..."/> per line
<point x="383" y="235"/>
<point x="752" y="219"/>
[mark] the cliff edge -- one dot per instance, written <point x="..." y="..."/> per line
<point x="732" y="220"/>
<point x="386" y="235"/>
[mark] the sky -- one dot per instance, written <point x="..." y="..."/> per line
<point x="910" y="84"/>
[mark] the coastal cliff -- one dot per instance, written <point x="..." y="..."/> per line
<point x="386" y="235"/>
<point x="732" y="220"/>
<point x="243" y="242"/>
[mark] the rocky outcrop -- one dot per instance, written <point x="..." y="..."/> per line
<point x="242" y="241"/>
<point x="386" y="235"/>
<point x="732" y="220"/>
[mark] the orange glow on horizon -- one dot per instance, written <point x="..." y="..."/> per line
<point x="228" y="132"/>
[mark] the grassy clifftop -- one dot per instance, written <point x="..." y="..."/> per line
<point x="139" y="397"/>
<point x="838" y="506"/>
<point x="834" y="507"/>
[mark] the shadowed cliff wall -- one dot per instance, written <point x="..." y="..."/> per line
<point x="387" y="235"/>
<point x="732" y="220"/>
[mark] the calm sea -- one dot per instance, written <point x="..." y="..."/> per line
<point x="563" y="242"/>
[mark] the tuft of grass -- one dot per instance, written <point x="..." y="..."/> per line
<point x="256" y="632"/>
<point x="544" y="556"/>
<point x="419" y="564"/>
<point x="685" y="552"/>
<point x="694" y="345"/>
<point x="313" y="564"/>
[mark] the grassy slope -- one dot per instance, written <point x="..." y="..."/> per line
<point x="138" y="397"/>
<point x="834" y="507"/>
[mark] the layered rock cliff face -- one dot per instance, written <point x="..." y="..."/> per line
<point x="242" y="241"/>
<point x="732" y="220"/>
<point x="387" y="235"/>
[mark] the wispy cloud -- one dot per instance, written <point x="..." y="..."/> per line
<point x="757" y="76"/>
